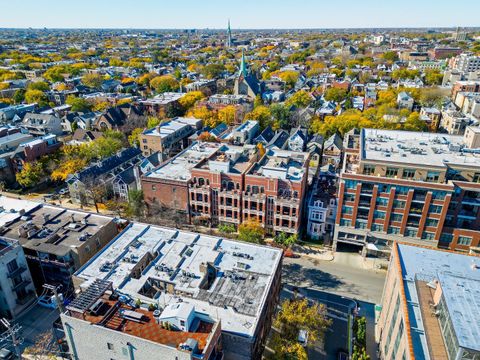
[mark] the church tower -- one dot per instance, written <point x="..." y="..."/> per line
<point x="229" y="35"/>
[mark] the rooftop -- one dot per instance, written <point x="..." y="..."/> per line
<point x="409" y="147"/>
<point x="178" y="168"/>
<point x="281" y="164"/>
<point x="167" y="128"/>
<point x="230" y="158"/>
<point x="52" y="230"/>
<point x="224" y="279"/>
<point x="164" y="98"/>
<point x="459" y="278"/>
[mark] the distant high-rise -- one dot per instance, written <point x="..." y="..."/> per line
<point x="229" y="35"/>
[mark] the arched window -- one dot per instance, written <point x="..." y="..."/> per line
<point x="201" y="181"/>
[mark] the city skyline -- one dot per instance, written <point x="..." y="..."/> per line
<point x="214" y="14"/>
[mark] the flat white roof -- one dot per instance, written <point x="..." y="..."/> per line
<point x="178" y="168"/>
<point x="237" y="293"/>
<point x="409" y="147"/>
<point x="10" y="209"/>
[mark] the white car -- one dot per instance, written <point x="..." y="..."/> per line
<point x="303" y="337"/>
<point x="48" y="301"/>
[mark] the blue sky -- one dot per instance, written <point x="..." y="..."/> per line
<point x="243" y="13"/>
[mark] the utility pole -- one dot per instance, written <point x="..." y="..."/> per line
<point x="57" y="298"/>
<point x="13" y="330"/>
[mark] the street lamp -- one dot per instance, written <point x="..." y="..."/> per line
<point x="351" y="317"/>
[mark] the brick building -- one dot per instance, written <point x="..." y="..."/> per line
<point x="220" y="183"/>
<point x="418" y="187"/>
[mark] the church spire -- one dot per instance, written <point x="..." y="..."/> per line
<point x="243" y="65"/>
<point x="229" y="35"/>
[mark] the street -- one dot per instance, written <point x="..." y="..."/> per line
<point x="335" y="283"/>
<point x="343" y="276"/>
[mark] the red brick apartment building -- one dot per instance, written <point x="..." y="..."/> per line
<point x="220" y="183"/>
<point x="421" y="188"/>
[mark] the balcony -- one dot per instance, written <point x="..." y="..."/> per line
<point x="228" y="219"/>
<point x="19" y="270"/>
<point x="256" y="197"/>
<point x="26" y="299"/>
<point x="286" y="229"/>
<point x="22" y="284"/>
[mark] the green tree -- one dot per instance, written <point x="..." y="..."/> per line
<point x="19" y="96"/>
<point x="251" y="231"/>
<point x="152" y="122"/>
<point x="414" y="123"/>
<point x="136" y="204"/>
<point x="36" y="96"/>
<point x="281" y="116"/>
<point x="286" y="240"/>
<point x="212" y="71"/>
<point x="433" y="77"/>
<point x="226" y="228"/>
<point x="390" y="56"/>
<point x="78" y="103"/>
<point x="38" y="85"/>
<point x="335" y="94"/>
<point x="164" y="83"/>
<point x="133" y="138"/>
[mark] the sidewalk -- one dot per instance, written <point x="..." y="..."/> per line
<point x="313" y="252"/>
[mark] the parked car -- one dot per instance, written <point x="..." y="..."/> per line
<point x="303" y="337"/>
<point x="48" y="301"/>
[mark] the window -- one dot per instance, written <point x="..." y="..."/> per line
<point x="396" y="217"/>
<point x="431" y="222"/>
<point x="154" y="188"/>
<point x="377" y="227"/>
<point x="476" y="178"/>
<point x="347" y="209"/>
<point x="399" y="204"/>
<point x="182" y="323"/>
<point x="393" y="230"/>
<point x="428" y="236"/>
<point x="379" y="214"/>
<point x="368" y="169"/>
<point x="408" y="173"/>
<point x="12" y="266"/>
<point x="446" y="238"/>
<point x="464" y="240"/>
<point x="361" y="224"/>
<point x="435" y="209"/>
<point x="411" y="232"/>
<point x="109" y="346"/>
<point x="432" y="176"/>
<point x="382" y="201"/>
<point x="391" y="172"/>
<point x="344" y="222"/>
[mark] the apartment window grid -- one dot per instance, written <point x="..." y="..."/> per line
<point x="391" y="172"/>
<point x="408" y="173"/>
<point x="398" y="338"/>
<point x="464" y="240"/>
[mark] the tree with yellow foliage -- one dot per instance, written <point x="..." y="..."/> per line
<point x="290" y="77"/>
<point x="262" y="114"/>
<point x="227" y="115"/>
<point x="164" y="83"/>
<point x="189" y="99"/>
<point x="251" y="231"/>
<point x="296" y="315"/>
<point x="68" y="167"/>
<point x="209" y="117"/>
<point x="92" y="80"/>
